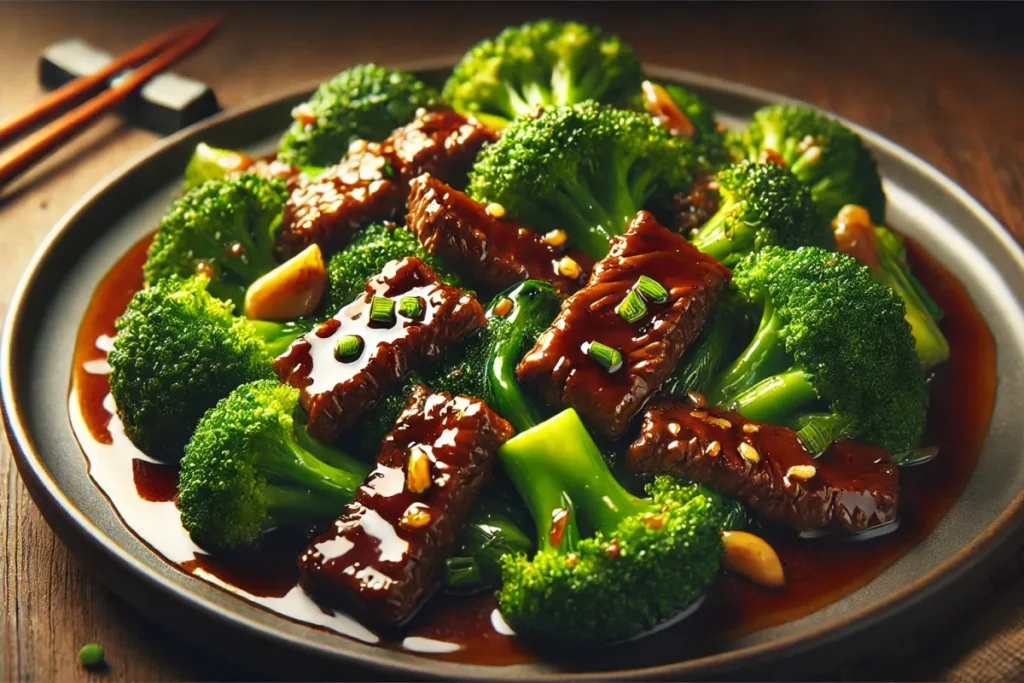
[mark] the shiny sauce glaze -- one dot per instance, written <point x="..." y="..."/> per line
<point x="337" y="391"/>
<point x="852" y="487"/>
<point x="493" y="252"/>
<point x="561" y="366"/>
<point x="819" y="571"/>
<point x="381" y="557"/>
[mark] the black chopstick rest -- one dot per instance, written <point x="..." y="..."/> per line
<point x="166" y="104"/>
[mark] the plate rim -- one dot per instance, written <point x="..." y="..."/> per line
<point x="59" y="510"/>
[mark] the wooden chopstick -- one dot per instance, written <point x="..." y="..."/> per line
<point x="36" y="146"/>
<point x="71" y="92"/>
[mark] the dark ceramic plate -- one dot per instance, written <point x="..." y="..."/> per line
<point x="39" y="337"/>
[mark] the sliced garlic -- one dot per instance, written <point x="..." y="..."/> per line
<point x="751" y="557"/>
<point x="291" y="290"/>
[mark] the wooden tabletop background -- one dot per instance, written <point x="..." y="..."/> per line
<point x="946" y="82"/>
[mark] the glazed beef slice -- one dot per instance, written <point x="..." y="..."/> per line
<point x="559" y="366"/>
<point x="491" y="252"/>
<point x="372" y="182"/>
<point x="381" y="557"/>
<point x="851" y="488"/>
<point x="337" y="391"/>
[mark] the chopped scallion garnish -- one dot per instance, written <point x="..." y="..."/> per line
<point x="607" y="357"/>
<point x="382" y="310"/>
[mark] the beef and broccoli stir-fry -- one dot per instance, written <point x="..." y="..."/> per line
<point x="551" y="289"/>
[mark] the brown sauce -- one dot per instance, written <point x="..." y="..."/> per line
<point x="818" y="571"/>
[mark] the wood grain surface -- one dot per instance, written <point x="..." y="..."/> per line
<point x="947" y="82"/>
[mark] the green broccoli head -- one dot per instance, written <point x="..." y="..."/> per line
<point x="644" y="561"/>
<point x="761" y="205"/>
<point x="585" y="168"/>
<point x="830" y="336"/>
<point x="542" y="63"/>
<point x="225" y="229"/>
<point x="178" y="351"/>
<point x="369" y="251"/>
<point x="823" y="153"/>
<point x="366" y="102"/>
<point x="246" y="470"/>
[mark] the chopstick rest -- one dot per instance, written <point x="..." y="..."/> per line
<point x="166" y="104"/>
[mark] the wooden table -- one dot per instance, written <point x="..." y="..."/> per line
<point x="945" y="82"/>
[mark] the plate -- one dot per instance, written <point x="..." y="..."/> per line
<point x="35" y="362"/>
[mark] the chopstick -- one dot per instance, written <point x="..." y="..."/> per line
<point x="175" y="44"/>
<point x="76" y="89"/>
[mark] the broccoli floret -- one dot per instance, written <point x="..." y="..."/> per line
<point x="368" y="252"/>
<point x="644" y="561"/>
<point x="483" y="365"/>
<point x="250" y="467"/>
<point x="178" y="350"/>
<point x="823" y="153"/>
<point x="587" y="169"/>
<point x="761" y="204"/>
<point x="542" y="63"/>
<point x="885" y="253"/>
<point x="830" y="336"/>
<point x="226" y="229"/>
<point x="366" y="102"/>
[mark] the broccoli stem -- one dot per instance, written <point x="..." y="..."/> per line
<point x="704" y="359"/>
<point x="286" y="464"/>
<point x="557" y="466"/>
<point x="765" y="356"/>
<point x="931" y="345"/>
<point x="279" y="336"/>
<point x="509" y="400"/>
<point x="715" y="239"/>
<point x="775" y="397"/>
<point x="335" y="457"/>
<point x="287" y="506"/>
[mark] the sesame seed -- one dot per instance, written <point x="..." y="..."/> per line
<point x="556" y="238"/>
<point x="719" y="422"/>
<point x="417" y="476"/>
<point x="568" y="268"/>
<point x="696" y="400"/>
<point x="415" y="516"/>
<point x="495" y="210"/>
<point x="699" y="414"/>
<point x="713" y="449"/>
<point x="803" y="472"/>
<point x="751" y="428"/>
<point x="748" y="452"/>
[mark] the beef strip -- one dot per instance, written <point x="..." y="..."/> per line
<point x="337" y="392"/>
<point x="381" y="557"/>
<point x="492" y="252"/>
<point x="851" y="487"/>
<point x="559" y="367"/>
<point x="372" y="182"/>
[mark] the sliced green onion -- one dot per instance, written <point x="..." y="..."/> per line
<point x="462" y="573"/>
<point x="348" y="348"/>
<point x="607" y="357"/>
<point x="382" y="310"/>
<point x="632" y="308"/>
<point x="410" y="307"/>
<point x="817" y="431"/>
<point x="651" y="290"/>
